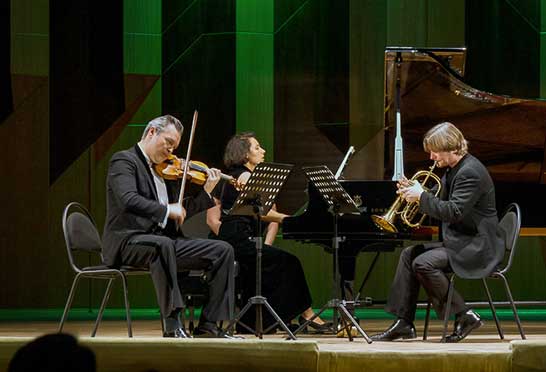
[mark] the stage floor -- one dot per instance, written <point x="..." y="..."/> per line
<point x="481" y="351"/>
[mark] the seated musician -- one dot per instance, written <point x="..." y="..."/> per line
<point x="141" y="231"/>
<point x="283" y="280"/>
<point x="466" y="209"/>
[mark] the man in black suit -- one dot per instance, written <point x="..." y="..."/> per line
<point x="142" y="224"/>
<point x="469" y="236"/>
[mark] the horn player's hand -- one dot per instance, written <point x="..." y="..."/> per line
<point x="411" y="193"/>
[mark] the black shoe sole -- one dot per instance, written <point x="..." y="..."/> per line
<point x="452" y="340"/>
<point x="403" y="337"/>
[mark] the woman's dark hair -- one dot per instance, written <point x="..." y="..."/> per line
<point x="237" y="149"/>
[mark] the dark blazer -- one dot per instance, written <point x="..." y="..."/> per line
<point x="132" y="203"/>
<point x="469" y="219"/>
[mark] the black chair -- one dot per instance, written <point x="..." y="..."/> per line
<point x="510" y="224"/>
<point x="81" y="235"/>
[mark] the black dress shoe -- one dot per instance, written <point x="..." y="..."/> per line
<point x="211" y="330"/>
<point x="464" y="324"/>
<point x="400" y="329"/>
<point x="177" y="333"/>
<point x="317" y="327"/>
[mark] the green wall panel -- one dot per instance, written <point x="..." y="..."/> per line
<point x="142" y="36"/>
<point x="368" y="38"/>
<point x="542" y="33"/>
<point x="142" y="16"/>
<point x="528" y="10"/>
<point x="445" y="23"/>
<point x="30" y="54"/>
<point x="287" y="9"/>
<point x="254" y="70"/>
<point x="255" y="16"/>
<point x="30" y="37"/>
<point x="543" y="64"/>
<point x="30" y="16"/>
<point x="151" y="107"/>
<point x="503" y="48"/>
<point x="142" y="53"/>
<point x="542" y="6"/>
<point x="407" y="22"/>
<point x="425" y="23"/>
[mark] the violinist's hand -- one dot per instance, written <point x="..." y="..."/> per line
<point x="411" y="193"/>
<point x="213" y="176"/>
<point x="177" y="213"/>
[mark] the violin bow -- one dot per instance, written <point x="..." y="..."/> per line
<point x="187" y="162"/>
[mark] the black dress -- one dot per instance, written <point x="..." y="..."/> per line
<point x="283" y="280"/>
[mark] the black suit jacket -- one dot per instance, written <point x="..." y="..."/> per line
<point x="132" y="203"/>
<point x="469" y="219"/>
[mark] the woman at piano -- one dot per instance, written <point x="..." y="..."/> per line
<point x="283" y="281"/>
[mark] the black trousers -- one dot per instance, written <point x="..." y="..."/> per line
<point x="165" y="257"/>
<point x="419" y="265"/>
<point x="283" y="280"/>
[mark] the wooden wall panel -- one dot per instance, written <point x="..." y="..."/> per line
<point x="199" y="73"/>
<point x="327" y="66"/>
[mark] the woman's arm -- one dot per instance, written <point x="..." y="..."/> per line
<point x="274" y="216"/>
<point x="272" y="229"/>
<point x="271" y="234"/>
<point x="213" y="217"/>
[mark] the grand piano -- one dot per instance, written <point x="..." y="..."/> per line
<point x="507" y="134"/>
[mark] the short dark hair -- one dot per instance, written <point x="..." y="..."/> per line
<point x="237" y="149"/>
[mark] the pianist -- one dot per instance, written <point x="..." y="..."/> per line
<point x="283" y="280"/>
<point x="466" y="209"/>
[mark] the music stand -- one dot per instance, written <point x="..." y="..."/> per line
<point x="339" y="202"/>
<point x="256" y="199"/>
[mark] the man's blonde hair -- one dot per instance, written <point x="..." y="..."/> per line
<point x="445" y="137"/>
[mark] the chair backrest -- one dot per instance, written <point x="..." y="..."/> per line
<point x="510" y="224"/>
<point x="80" y="232"/>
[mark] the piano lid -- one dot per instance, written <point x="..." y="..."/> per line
<point x="507" y="134"/>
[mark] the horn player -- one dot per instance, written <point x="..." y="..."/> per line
<point x="466" y="209"/>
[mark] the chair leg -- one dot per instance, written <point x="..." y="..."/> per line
<point x="427" y="320"/>
<point x="511" y="299"/>
<point x="191" y="324"/>
<point x="102" y="307"/>
<point x="127" y="306"/>
<point x="69" y="301"/>
<point x="448" y="307"/>
<point x="493" y="310"/>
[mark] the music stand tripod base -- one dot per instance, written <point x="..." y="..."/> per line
<point x="339" y="202"/>
<point x="256" y="199"/>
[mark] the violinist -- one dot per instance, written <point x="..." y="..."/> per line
<point x="141" y="229"/>
<point x="283" y="280"/>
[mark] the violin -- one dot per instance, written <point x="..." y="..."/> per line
<point x="173" y="168"/>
